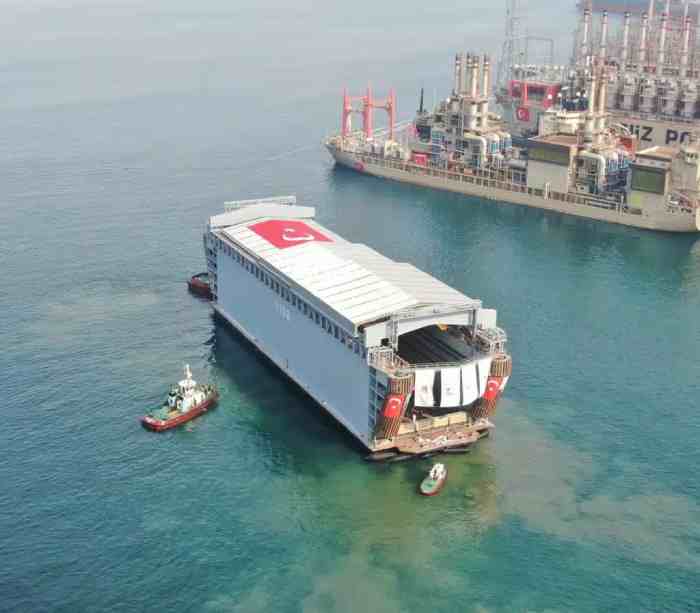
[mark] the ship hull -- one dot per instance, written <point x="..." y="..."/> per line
<point x="430" y="487"/>
<point x="398" y="449"/>
<point x="158" y="425"/>
<point x="283" y="366"/>
<point x="320" y="346"/>
<point x="425" y="177"/>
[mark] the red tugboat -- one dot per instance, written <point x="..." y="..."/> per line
<point x="186" y="400"/>
<point x="199" y="285"/>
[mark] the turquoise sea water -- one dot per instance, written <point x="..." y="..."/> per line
<point x="124" y="127"/>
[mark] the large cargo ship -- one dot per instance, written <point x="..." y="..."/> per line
<point x="577" y="164"/>
<point x="408" y="365"/>
<point x="652" y="61"/>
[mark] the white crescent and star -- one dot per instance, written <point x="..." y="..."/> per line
<point x="296" y="239"/>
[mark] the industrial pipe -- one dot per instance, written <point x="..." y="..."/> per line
<point x="483" y="146"/>
<point x="485" y="91"/>
<point x="603" y="92"/>
<point x="604" y="36"/>
<point x="626" y="39"/>
<point x="586" y="33"/>
<point x="486" y="77"/>
<point x="643" y="40"/>
<point x="592" y="85"/>
<point x="458" y="74"/>
<point x="601" y="164"/>
<point x="465" y="76"/>
<point x="602" y="104"/>
<point x="590" y="116"/>
<point x="662" y="43"/>
<point x="686" y="46"/>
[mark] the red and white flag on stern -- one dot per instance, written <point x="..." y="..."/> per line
<point x="493" y="388"/>
<point x="522" y="113"/>
<point x="393" y="406"/>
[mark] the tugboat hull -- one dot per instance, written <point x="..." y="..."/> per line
<point x="432" y="487"/>
<point x="159" y="425"/>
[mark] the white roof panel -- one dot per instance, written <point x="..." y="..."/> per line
<point x="243" y="214"/>
<point x="355" y="282"/>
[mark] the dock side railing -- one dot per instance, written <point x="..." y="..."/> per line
<point x="386" y="360"/>
<point x="233" y="205"/>
<point x="487" y="180"/>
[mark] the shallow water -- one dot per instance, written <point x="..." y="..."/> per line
<point x="124" y="128"/>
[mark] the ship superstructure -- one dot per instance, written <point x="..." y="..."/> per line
<point x="407" y="364"/>
<point x="652" y="65"/>
<point x="577" y="164"/>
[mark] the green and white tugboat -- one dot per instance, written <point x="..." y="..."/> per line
<point x="435" y="481"/>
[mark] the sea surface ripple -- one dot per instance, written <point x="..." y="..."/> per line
<point x="125" y="125"/>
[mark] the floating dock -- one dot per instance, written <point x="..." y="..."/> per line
<point x="404" y="362"/>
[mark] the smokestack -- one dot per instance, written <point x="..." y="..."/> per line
<point x="590" y="117"/>
<point x="602" y="103"/>
<point x="592" y="85"/>
<point x="474" y="78"/>
<point x="643" y="40"/>
<point x="485" y="91"/>
<point x="586" y="34"/>
<point x="458" y="74"/>
<point x="686" y="45"/>
<point x="473" y="91"/>
<point x="465" y="75"/>
<point x="604" y="36"/>
<point x="486" y="77"/>
<point x="626" y="39"/>
<point x="662" y="43"/>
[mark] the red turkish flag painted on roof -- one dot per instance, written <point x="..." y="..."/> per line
<point x="285" y="233"/>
